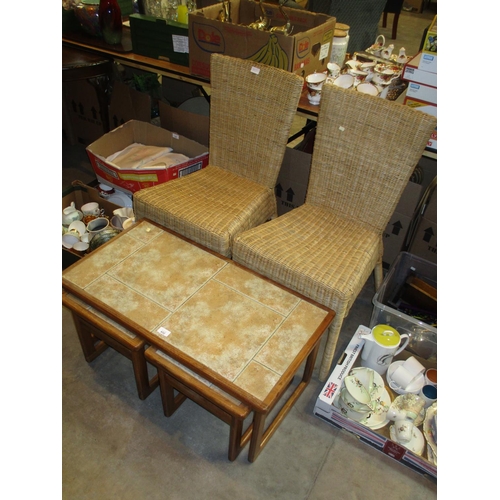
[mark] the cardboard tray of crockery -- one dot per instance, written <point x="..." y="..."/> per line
<point x="400" y="423"/>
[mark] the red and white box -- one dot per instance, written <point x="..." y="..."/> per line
<point x="422" y="92"/>
<point x="414" y="71"/>
<point x="136" y="131"/>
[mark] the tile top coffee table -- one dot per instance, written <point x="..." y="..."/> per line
<point x="239" y="331"/>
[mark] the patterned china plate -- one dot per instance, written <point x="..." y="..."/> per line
<point x="430" y="429"/>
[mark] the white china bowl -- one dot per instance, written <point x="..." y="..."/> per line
<point x="413" y="388"/>
<point x="79" y="227"/>
<point x="69" y="240"/>
<point x="367" y="88"/>
<point x="316" y="79"/>
<point x="344" y="81"/>
<point x="80" y="246"/>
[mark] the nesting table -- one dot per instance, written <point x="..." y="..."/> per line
<point x="218" y="333"/>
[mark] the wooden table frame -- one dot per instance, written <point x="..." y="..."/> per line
<point x="169" y="377"/>
<point x="96" y="335"/>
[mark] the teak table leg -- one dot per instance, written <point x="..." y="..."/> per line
<point x="92" y="346"/>
<point x="260" y="437"/>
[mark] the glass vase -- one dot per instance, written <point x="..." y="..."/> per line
<point x="110" y="20"/>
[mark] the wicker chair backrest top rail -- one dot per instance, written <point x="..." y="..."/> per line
<point x="365" y="151"/>
<point x="252" y="107"/>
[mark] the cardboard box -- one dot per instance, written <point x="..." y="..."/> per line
<point x="397" y="229"/>
<point x="413" y="74"/>
<point x="394" y="236"/>
<point x="293" y="179"/>
<point x="185" y="123"/>
<point x="430" y="43"/>
<point x="377" y="438"/>
<point x="306" y="50"/>
<point x="424" y="243"/>
<point x="160" y="38"/>
<point x="421" y="92"/>
<point x="128" y="104"/>
<point x="428" y="62"/>
<point x="79" y="194"/>
<point x="425" y="107"/>
<point x="132" y="180"/>
<point x="83" y="122"/>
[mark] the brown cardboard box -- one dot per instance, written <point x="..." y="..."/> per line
<point x="128" y="104"/>
<point x="131" y="180"/>
<point x="424" y="242"/>
<point x="306" y="50"/>
<point x="190" y="125"/>
<point x="82" y="119"/>
<point x="397" y="228"/>
<point x="79" y="194"/>
<point x="293" y="179"/>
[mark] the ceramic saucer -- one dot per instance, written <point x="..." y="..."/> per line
<point x="120" y="199"/>
<point x="416" y="443"/>
<point x="430" y="431"/>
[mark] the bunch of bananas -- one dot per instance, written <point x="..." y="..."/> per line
<point x="271" y="54"/>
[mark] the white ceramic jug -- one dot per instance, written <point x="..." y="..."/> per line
<point x="71" y="214"/>
<point x="381" y="345"/>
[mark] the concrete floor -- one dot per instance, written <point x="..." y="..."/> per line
<point x="117" y="446"/>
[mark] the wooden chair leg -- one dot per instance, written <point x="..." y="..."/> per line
<point x="378" y="273"/>
<point x="384" y="20"/>
<point x="395" y="25"/>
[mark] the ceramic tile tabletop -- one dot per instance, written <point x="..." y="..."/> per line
<point x="242" y="327"/>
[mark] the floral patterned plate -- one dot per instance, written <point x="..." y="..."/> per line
<point x="430" y="430"/>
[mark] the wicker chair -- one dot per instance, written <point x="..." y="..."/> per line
<point x="252" y="110"/>
<point x="365" y="151"/>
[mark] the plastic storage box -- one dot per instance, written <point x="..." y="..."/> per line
<point x="423" y="335"/>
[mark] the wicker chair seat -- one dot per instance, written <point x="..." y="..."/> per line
<point x="210" y="206"/>
<point x="331" y="271"/>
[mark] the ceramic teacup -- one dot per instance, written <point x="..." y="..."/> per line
<point x="356" y="395"/>
<point x="79" y="227"/>
<point x="97" y="225"/>
<point x="358" y="75"/>
<point x="414" y="366"/>
<point x="314" y="84"/>
<point x="345" y="81"/>
<point x="431" y="377"/>
<point x="403" y="430"/>
<point x="91" y="208"/>
<point x="429" y="394"/>
<point x="401" y="378"/>
<point x="347" y="411"/>
<point x="333" y="70"/>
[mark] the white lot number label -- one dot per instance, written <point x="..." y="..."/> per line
<point x="181" y="44"/>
